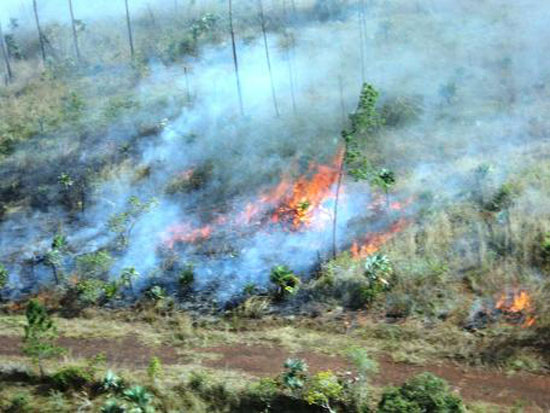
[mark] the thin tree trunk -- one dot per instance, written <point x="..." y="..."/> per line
<point x="39" y="29"/>
<point x="362" y="46"/>
<point x="187" y="88"/>
<point x="235" y="59"/>
<point x="268" y="60"/>
<point x="288" y="58"/>
<point x="55" y="276"/>
<point x="342" y="104"/>
<point x="75" y="37"/>
<point x="129" y="24"/>
<point x="151" y="15"/>
<point x="5" y="54"/>
<point x="336" y="200"/>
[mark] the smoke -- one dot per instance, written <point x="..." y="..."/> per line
<point x="475" y="69"/>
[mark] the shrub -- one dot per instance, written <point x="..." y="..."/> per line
<point x="90" y="291"/>
<point x="95" y="264"/>
<point x="186" y="278"/>
<point x="322" y="389"/>
<point x="113" y="406"/>
<point x="286" y="281"/>
<point x="111" y="382"/>
<point x="4" y="276"/>
<point x="154" y="370"/>
<point x="296" y="375"/>
<point x="139" y="396"/>
<point x="19" y="403"/>
<point x="72" y="377"/>
<point x="422" y="393"/>
<point x="155" y="293"/>
<point x="40" y="335"/>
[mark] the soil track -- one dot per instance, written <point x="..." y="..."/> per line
<point x="473" y="384"/>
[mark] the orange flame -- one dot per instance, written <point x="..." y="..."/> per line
<point x="517" y="305"/>
<point x="185" y="233"/>
<point x="373" y="242"/>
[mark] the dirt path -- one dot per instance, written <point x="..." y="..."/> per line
<point x="474" y="384"/>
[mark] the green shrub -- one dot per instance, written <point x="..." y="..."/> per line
<point x="90" y="291"/>
<point x="140" y="397"/>
<point x="72" y="377"/>
<point x="286" y="281"/>
<point x="422" y="393"/>
<point x="186" y="278"/>
<point x="154" y="370"/>
<point x="111" y="382"/>
<point x="295" y="376"/>
<point x="94" y="265"/>
<point x="113" y="406"/>
<point x="4" y="276"/>
<point x="323" y="388"/>
<point x="19" y="403"/>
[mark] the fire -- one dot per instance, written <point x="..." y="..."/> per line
<point x="298" y="204"/>
<point x="517" y="306"/>
<point x="185" y="233"/>
<point x="299" y="207"/>
<point x="373" y="242"/>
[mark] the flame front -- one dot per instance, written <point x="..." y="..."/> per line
<point x="185" y="233"/>
<point x="373" y="242"/>
<point x="517" y="305"/>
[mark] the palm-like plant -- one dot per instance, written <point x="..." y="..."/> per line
<point x="139" y="396"/>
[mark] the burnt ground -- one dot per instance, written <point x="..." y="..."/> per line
<point x="261" y="361"/>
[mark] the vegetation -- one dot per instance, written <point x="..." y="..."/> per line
<point x="440" y="228"/>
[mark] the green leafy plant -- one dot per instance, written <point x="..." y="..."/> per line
<point x="322" y="389"/>
<point x="123" y="223"/>
<point x="113" y="406"/>
<point x="422" y="393"/>
<point x="94" y="265"/>
<point x="156" y="293"/>
<point x="286" y="281"/>
<point x="4" y="276"/>
<point x="72" y="377"/>
<point x="186" y="278"/>
<point x="295" y="376"/>
<point x="127" y="277"/>
<point x="39" y="341"/>
<point x="90" y="291"/>
<point x="154" y="369"/>
<point x="140" y="397"/>
<point x="111" y="382"/>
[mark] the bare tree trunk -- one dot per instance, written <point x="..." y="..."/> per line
<point x="129" y="24"/>
<point x="187" y="88"/>
<point x="362" y="45"/>
<point x="288" y="58"/>
<point x="267" y="58"/>
<point x="39" y="29"/>
<point x="151" y="15"/>
<point x="235" y="60"/>
<point x="342" y="104"/>
<point x="6" y="56"/>
<point x="337" y="198"/>
<point x="75" y="37"/>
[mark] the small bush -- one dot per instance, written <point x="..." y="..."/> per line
<point x="322" y="389"/>
<point x="286" y="281"/>
<point x="422" y="393"/>
<point x="72" y="377"/>
<point x="295" y="376"/>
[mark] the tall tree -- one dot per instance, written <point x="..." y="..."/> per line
<point x="39" y="29"/>
<point x="267" y="58"/>
<point x="75" y="36"/>
<point x="364" y="121"/>
<point x="235" y="59"/>
<point x="129" y="24"/>
<point x="5" y="54"/>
